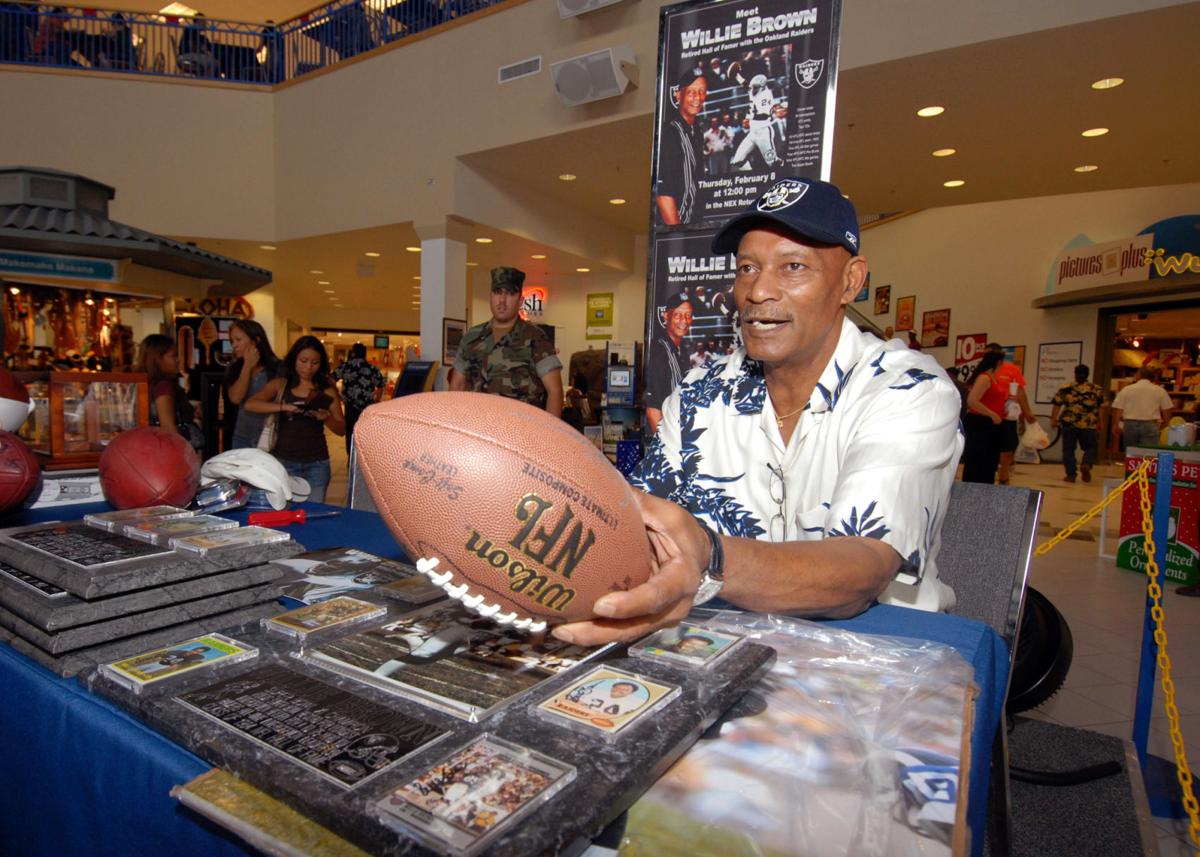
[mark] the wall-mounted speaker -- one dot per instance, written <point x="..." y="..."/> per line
<point x="571" y="8"/>
<point x="594" y="76"/>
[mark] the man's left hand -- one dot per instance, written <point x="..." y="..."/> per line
<point x="677" y="543"/>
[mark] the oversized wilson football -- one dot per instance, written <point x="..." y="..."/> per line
<point x="527" y="521"/>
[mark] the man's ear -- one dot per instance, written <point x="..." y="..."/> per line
<point x="854" y="276"/>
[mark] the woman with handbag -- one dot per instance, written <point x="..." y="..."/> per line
<point x="304" y="403"/>
<point x="982" y="424"/>
<point x="254" y="365"/>
<point x="169" y="405"/>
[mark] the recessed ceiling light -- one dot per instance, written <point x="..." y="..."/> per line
<point x="472" y="264"/>
<point x="1086" y="168"/>
<point x="416" y="278"/>
<point x="943" y="153"/>
<point x="567" y="177"/>
<point x="338" y="306"/>
<point x="483" y="240"/>
<point x="267" y="247"/>
<point x="413" y="249"/>
<point x="616" y="201"/>
<point x="1108" y="83"/>
<point x="316" y="272"/>
<point x="932" y="110"/>
<point x="323" y="282"/>
<point x="328" y="291"/>
<point x="954" y="183"/>
<point x="1094" y="132"/>
<point x="538" y="256"/>
<point x="372" y="254"/>
<point x="583" y="270"/>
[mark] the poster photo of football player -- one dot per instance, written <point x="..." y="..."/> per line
<point x="760" y="82"/>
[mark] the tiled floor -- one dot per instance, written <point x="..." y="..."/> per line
<point x="1104" y="607"/>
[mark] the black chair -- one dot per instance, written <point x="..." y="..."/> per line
<point x="987" y="547"/>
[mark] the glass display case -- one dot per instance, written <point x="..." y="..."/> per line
<point x="76" y="414"/>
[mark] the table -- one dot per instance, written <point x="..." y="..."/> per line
<point x="79" y="776"/>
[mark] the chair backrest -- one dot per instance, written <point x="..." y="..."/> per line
<point x="987" y="546"/>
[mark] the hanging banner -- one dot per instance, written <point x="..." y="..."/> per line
<point x="745" y="98"/>
<point x="599" y="322"/>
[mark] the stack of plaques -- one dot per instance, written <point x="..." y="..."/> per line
<point x="80" y="593"/>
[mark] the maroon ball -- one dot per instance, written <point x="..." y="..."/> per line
<point x="19" y="472"/>
<point x="147" y="467"/>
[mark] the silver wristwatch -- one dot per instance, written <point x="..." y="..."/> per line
<point x="712" y="578"/>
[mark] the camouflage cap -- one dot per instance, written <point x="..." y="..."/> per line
<point x="507" y="279"/>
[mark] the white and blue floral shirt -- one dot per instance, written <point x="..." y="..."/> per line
<point x="873" y="455"/>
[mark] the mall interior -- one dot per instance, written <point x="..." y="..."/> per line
<point x="367" y="201"/>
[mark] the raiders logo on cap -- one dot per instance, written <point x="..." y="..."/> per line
<point x="783" y="193"/>
<point x="809" y="72"/>
<point x="851" y="237"/>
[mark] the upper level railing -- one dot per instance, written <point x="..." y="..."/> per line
<point x="208" y="49"/>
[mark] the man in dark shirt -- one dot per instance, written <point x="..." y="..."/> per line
<point x="680" y="149"/>
<point x="361" y="385"/>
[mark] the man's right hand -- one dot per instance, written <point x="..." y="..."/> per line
<point x="680" y="549"/>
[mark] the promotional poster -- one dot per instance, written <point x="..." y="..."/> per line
<point x="745" y="98"/>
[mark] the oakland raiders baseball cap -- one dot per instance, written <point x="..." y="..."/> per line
<point x="812" y="209"/>
<point x="507" y="279"/>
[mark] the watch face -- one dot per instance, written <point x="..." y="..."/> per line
<point x="709" y="587"/>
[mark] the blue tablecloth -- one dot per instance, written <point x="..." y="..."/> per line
<point x="78" y="776"/>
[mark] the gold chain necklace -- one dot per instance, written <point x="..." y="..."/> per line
<point x="779" y="420"/>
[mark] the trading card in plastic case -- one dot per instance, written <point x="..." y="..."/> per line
<point x="340" y="612"/>
<point x="207" y="650"/>
<point x="165" y="531"/>
<point x="606" y="702"/>
<point x="238" y="538"/>
<point x="412" y="590"/>
<point x="466" y="801"/>
<point x="693" y="645"/>
<point x="114" y="521"/>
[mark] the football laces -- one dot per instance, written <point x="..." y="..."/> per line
<point x="474" y="601"/>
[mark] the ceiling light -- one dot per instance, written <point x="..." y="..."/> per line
<point x="328" y="291"/>
<point x="954" y="183"/>
<point x="89" y="300"/>
<point x="337" y="306"/>
<point x="323" y="282"/>
<point x="943" y="153"/>
<point x="567" y="177"/>
<point x="582" y="270"/>
<point x="316" y="272"/>
<point x="1086" y="168"/>
<point x="616" y="201"/>
<point x="483" y="240"/>
<point x="372" y="254"/>
<point x="413" y="249"/>
<point x="416" y="278"/>
<point x="267" y="247"/>
<point x="932" y="110"/>
<point x="339" y="333"/>
<point x="538" y="256"/>
<point x="1094" y="132"/>
<point x="472" y="264"/>
<point x="1108" y="83"/>
<point x="14" y="290"/>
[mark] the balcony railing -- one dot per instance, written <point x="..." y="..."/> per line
<point x="208" y="49"/>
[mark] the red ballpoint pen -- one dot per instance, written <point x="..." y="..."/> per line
<point x="287" y="516"/>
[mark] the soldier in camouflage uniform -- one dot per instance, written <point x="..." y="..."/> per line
<point x="508" y="356"/>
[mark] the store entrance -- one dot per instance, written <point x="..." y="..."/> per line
<point x="1163" y="336"/>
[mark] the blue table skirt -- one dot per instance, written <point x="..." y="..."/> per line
<point x="78" y="776"/>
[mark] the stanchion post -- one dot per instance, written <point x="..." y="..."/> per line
<point x="1145" y="691"/>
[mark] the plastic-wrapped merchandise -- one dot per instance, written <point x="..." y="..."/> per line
<point x="849" y="747"/>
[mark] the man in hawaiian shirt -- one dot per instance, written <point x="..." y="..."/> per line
<point x="361" y="385"/>
<point x="808" y="472"/>
<point x="1077" y="413"/>
<point x="507" y="355"/>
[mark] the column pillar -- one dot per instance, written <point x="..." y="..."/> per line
<point x="443" y="285"/>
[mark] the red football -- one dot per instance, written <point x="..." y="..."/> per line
<point x="527" y="518"/>
<point x="147" y="467"/>
<point x="19" y="471"/>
